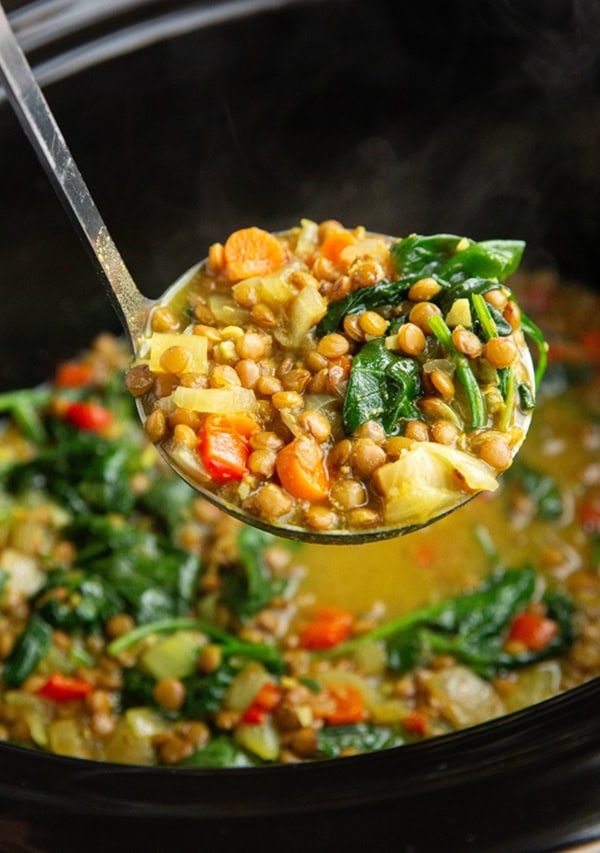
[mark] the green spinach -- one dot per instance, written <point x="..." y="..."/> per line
<point x="382" y="387"/>
<point x="250" y="585"/>
<point x="364" y="737"/>
<point x="472" y="627"/>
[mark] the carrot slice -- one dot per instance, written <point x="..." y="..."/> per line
<point x="251" y="251"/>
<point x="301" y="469"/>
<point x="334" y="244"/>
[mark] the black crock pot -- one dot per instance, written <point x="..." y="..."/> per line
<point x="189" y="119"/>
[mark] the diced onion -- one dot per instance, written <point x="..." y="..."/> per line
<point x="195" y="345"/>
<point x="217" y="401"/>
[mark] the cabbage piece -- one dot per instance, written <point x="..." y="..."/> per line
<point x="466" y="698"/>
<point x="218" y="401"/>
<point x="305" y="311"/>
<point x="261" y="739"/>
<point x="24" y="574"/>
<point x="428" y="480"/>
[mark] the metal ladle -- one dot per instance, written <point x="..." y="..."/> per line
<point x="131" y="306"/>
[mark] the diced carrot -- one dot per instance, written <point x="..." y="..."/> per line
<point x="336" y="240"/>
<point x="223" y="445"/>
<point x="533" y="630"/>
<point x="330" y="627"/>
<point x="301" y="469"/>
<point x="250" y="252"/>
<point x="73" y="374"/>
<point x="348" y="705"/>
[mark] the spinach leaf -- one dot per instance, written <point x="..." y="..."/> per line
<point x="472" y="627"/>
<point x="85" y="604"/>
<point x="204" y="693"/>
<point x="364" y="737"/>
<point x="81" y="470"/>
<point x="488" y="259"/>
<point x="421" y="256"/>
<point x="382" y="387"/>
<point x="153" y="577"/>
<point x="168" y="499"/>
<point x="543" y="489"/>
<point x="29" y="649"/>
<point x="249" y="585"/>
<point x="363" y="299"/>
<point x="220" y="751"/>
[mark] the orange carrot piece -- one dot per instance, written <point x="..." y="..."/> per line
<point x="73" y="374"/>
<point x="334" y="244"/>
<point x="330" y="627"/>
<point x="251" y="251"/>
<point x="348" y="705"/>
<point x="301" y="469"/>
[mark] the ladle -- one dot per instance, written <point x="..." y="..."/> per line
<point x="132" y="307"/>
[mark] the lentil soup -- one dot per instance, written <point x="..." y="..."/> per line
<point x="328" y="380"/>
<point x="141" y="625"/>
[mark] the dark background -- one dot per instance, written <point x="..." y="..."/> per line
<point x="472" y="117"/>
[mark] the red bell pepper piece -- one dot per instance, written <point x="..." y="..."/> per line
<point x="64" y="688"/>
<point x="533" y="630"/>
<point x="267" y="699"/>
<point x="223" y="445"/>
<point x="89" y="416"/>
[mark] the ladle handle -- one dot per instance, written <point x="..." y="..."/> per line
<point x="35" y="116"/>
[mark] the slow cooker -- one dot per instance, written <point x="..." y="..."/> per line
<point x="189" y="119"/>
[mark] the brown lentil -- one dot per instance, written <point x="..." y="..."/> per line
<point x="373" y="323"/>
<point x="164" y="320"/>
<point x="209" y="659"/>
<point x="420" y="314"/>
<point x="443" y="384"/>
<point x="169" y="693"/>
<point x="496" y="452"/>
<point x="423" y="290"/>
<point x="466" y="342"/>
<point x="251" y="345"/>
<point x="500" y="352"/>
<point x="417" y="430"/>
<point x="348" y="494"/>
<point x="287" y="400"/>
<point x="156" y="426"/>
<point x="332" y="346"/>
<point x="273" y="502"/>
<point x="367" y="456"/>
<point x="411" y="339"/>
<point x="139" y="380"/>
<point x="445" y="432"/>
